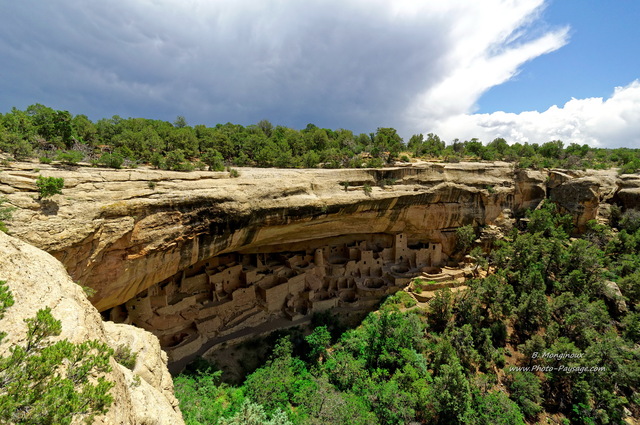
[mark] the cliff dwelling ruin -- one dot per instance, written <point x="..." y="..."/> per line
<point x="200" y="259"/>
<point x="242" y="294"/>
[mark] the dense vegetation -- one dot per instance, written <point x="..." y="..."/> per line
<point x="44" y="382"/>
<point x="49" y="134"/>
<point x="544" y="334"/>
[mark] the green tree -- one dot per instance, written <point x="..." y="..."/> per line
<point x="204" y="399"/>
<point x="311" y="159"/>
<point x="532" y="313"/>
<point x="630" y="221"/>
<point x="387" y="139"/>
<point x="433" y="146"/>
<point x="20" y="148"/>
<point x="55" y="126"/>
<point x="452" y="394"/>
<point x="552" y="149"/>
<point x="441" y="309"/>
<point x="465" y="236"/>
<point x="387" y="334"/>
<point x="180" y="122"/>
<point x="495" y="408"/>
<point x="266" y="127"/>
<point x="213" y="159"/>
<point x="182" y="139"/>
<point x="85" y="129"/>
<point x="319" y="340"/>
<point x="415" y="144"/>
<point x="526" y="391"/>
<point x="176" y="161"/>
<point x="500" y="146"/>
<point x="275" y="384"/>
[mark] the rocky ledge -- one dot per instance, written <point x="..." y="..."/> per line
<point x="195" y="254"/>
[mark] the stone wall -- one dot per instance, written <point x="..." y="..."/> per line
<point x="224" y="295"/>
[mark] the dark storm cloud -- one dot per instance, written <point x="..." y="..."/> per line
<point x="353" y="64"/>
<point x="340" y="66"/>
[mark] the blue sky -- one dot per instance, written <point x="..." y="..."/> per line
<point x="600" y="55"/>
<point x="525" y="70"/>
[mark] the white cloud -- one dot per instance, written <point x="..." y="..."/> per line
<point x="483" y="56"/>
<point x="355" y="64"/>
<point x="612" y="122"/>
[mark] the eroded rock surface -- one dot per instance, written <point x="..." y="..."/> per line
<point x="155" y="244"/>
<point x="235" y="295"/>
<point x="581" y="193"/>
<point x="121" y="232"/>
<point x="37" y="280"/>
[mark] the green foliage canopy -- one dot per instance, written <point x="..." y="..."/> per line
<point x="49" y="186"/>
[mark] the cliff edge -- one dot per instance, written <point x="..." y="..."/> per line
<point x="202" y="258"/>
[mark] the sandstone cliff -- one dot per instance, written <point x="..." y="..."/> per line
<point x="201" y="255"/>
<point x="37" y="280"/>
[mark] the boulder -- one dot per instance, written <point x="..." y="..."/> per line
<point x="37" y="280"/>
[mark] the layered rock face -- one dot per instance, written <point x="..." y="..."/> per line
<point x="233" y="296"/>
<point x="198" y="257"/>
<point x="37" y="280"/>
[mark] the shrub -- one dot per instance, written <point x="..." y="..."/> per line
<point x="367" y="189"/>
<point x="375" y="163"/>
<point x="630" y="167"/>
<point x="234" y="173"/>
<point x="111" y="160"/>
<point x="401" y="298"/>
<point x="418" y="285"/>
<point x="5" y="214"/>
<point x="185" y="166"/>
<point x="21" y="149"/>
<point x="386" y="182"/>
<point x="70" y="157"/>
<point x="49" y="186"/>
<point x="45" y="160"/>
